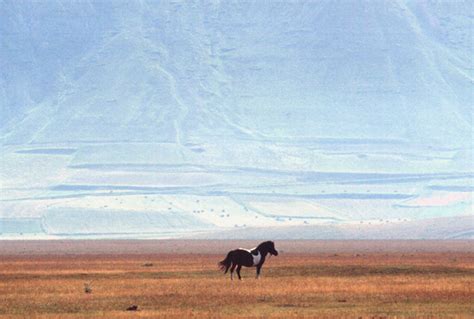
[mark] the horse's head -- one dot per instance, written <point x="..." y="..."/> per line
<point x="268" y="247"/>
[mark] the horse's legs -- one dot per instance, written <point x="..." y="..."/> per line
<point x="238" y="271"/>
<point x="232" y="271"/>
<point x="258" y="271"/>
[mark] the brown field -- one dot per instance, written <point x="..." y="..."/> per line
<point x="179" y="279"/>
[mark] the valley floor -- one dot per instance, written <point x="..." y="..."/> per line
<point x="180" y="279"/>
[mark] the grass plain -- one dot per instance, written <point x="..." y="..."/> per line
<point x="180" y="279"/>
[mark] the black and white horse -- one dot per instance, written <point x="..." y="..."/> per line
<point x="247" y="257"/>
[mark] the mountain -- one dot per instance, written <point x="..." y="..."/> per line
<point x="164" y="118"/>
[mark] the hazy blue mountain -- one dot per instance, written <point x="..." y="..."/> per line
<point x="214" y="114"/>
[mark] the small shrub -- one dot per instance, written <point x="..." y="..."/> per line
<point x="88" y="287"/>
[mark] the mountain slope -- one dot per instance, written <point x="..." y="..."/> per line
<point x="351" y="110"/>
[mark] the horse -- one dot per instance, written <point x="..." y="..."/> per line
<point x="254" y="257"/>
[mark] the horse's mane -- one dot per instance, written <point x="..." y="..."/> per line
<point x="266" y="243"/>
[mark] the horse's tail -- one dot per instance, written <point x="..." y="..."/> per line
<point x="225" y="264"/>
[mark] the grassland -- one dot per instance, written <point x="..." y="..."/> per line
<point x="419" y="279"/>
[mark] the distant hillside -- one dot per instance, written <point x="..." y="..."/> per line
<point x="168" y="117"/>
<point x="439" y="228"/>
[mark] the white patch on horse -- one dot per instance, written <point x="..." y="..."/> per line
<point x="256" y="258"/>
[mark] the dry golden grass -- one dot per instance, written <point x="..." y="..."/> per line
<point x="395" y="285"/>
